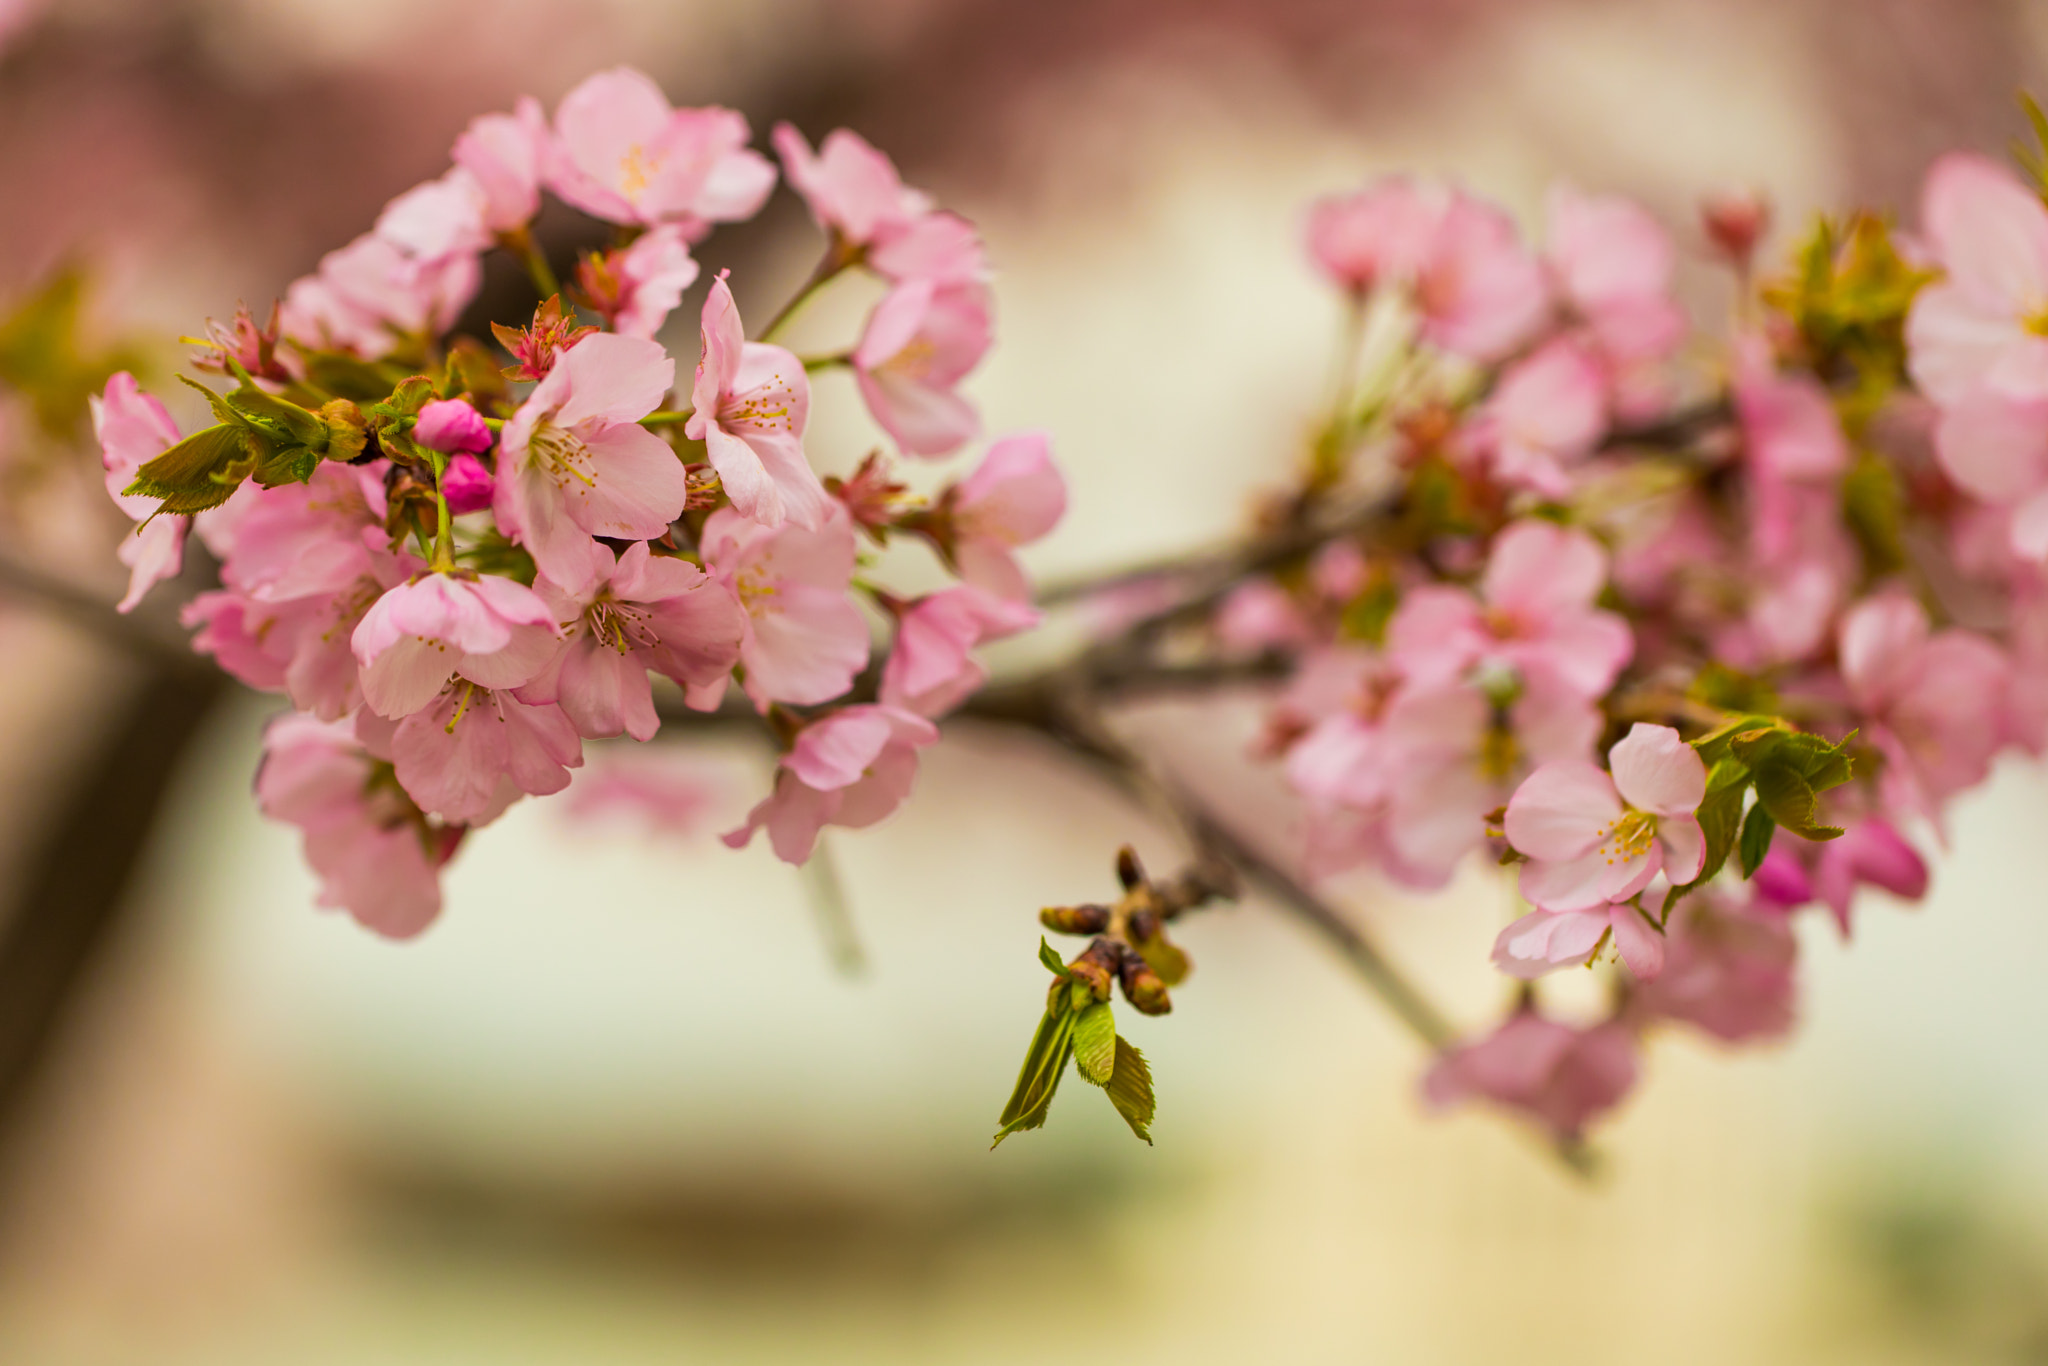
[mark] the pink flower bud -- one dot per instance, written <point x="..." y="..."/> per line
<point x="451" y="425"/>
<point x="467" y="485"/>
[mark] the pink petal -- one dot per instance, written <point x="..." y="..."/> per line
<point x="1656" y="770"/>
<point x="1559" y="811"/>
<point x="1640" y="947"/>
<point x="1685" y="848"/>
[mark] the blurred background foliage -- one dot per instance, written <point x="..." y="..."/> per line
<point x="619" y="1106"/>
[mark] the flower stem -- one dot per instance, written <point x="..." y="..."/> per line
<point x="668" y="417"/>
<point x="519" y="241"/>
<point x="835" y="260"/>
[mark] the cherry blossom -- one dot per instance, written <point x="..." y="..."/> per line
<point x="851" y="769"/>
<point x="805" y="639"/>
<point x="752" y="402"/>
<point x="1012" y="498"/>
<point x="1593" y="837"/>
<point x="921" y="341"/>
<point x="1557" y="1075"/>
<point x="471" y="750"/>
<point x="932" y="669"/>
<point x="622" y="153"/>
<point x="574" y="462"/>
<point x="850" y="188"/>
<point x="649" y="612"/>
<point x="504" y="155"/>
<point x="416" y="637"/>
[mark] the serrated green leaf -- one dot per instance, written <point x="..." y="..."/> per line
<point x="1037" y="1081"/>
<point x="222" y="409"/>
<point x="1050" y="956"/>
<point x="1757" y="830"/>
<point x="202" y="471"/>
<point x="1095" y="1043"/>
<point x="1130" y="1089"/>
<point x="284" y="420"/>
<point x="291" y="465"/>
<point x="1791" y="801"/>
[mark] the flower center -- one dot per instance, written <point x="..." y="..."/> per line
<point x="636" y="170"/>
<point x="624" y="626"/>
<point x="756" y="590"/>
<point x="914" y="361"/>
<point x="1628" y="837"/>
<point x="765" y="407"/>
<point x="562" y="456"/>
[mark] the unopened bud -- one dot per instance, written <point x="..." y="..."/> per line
<point x="1735" y="221"/>
<point x="1143" y="987"/>
<point x="1090" y="919"/>
<point x="1129" y="871"/>
<point x="1097" y="966"/>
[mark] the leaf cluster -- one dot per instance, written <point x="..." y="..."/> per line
<point x="1847" y="295"/>
<point x="1786" y="768"/>
<point x="1080" y="1025"/>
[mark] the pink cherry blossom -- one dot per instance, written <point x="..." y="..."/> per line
<point x="1728" y="970"/>
<point x="1979" y="325"/>
<point x="375" y="855"/>
<point x="1593" y="838"/>
<point x="805" y="639"/>
<point x="1261" y="615"/>
<point x="920" y="342"/>
<point x="1480" y="291"/>
<point x="1934" y="702"/>
<point x="1869" y="853"/>
<point x="1995" y="446"/>
<point x="939" y="246"/>
<point x="1544" y="941"/>
<point x="470" y="750"/>
<point x="1012" y="498"/>
<point x="1547" y="414"/>
<point x="752" y="402"/>
<point x="504" y="154"/>
<point x="932" y="669"/>
<point x="437" y="219"/>
<point x="1612" y="264"/>
<point x="1380" y="232"/>
<point x="852" y="190"/>
<point x="649" y="612"/>
<point x="133" y="429"/>
<point x="652" y="274"/>
<point x="416" y="637"/>
<point x="623" y="154"/>
<point x="850" y="768"/>
<point x="450" y="425"/>
<point x="370" y="293"/>
<point x="1534" y="612"/>
<point x="1557" y="1075"/>
<point x="312" y="539"/>
<point x="574" y="462"/>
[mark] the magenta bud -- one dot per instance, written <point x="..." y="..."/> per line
<point x="450" y="425"/>
<point x="467" y="485"/>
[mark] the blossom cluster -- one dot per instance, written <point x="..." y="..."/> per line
<point x="459" y="566"/>
<point x="1689" y="648"/>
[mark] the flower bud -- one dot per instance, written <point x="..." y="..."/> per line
<point x="1143" y="987"/>
<point x="1089" y="919"/>
<point x="467" y="485"/>
<point x="1735" y="221"/>
<point x="450" y="425"/>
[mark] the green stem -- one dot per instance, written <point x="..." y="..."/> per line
<point x="667" y="417"/>
<point x="444" y="522"/>
<point x="836" y="260"/>
<point x="814" y="363"/>
<point x="519" y="241"/>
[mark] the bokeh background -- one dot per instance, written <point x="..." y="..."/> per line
<point x="620" y="1106"/>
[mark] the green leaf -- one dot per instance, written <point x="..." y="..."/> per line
<point x="285" y="421"/>
<point x="1130" y="1089"/>
<point x="1095" y="1043"/>
<point x="1720" y="815"/>
<point x="1791" y="801"/>
<point x="291" y="465"/>
<point x="202" y="471"/>
<point x="1757" y="830"/>
<point x="1044" y="1063"/>
<point x="1050" y="956"/>
<point x="344" y="376"/>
